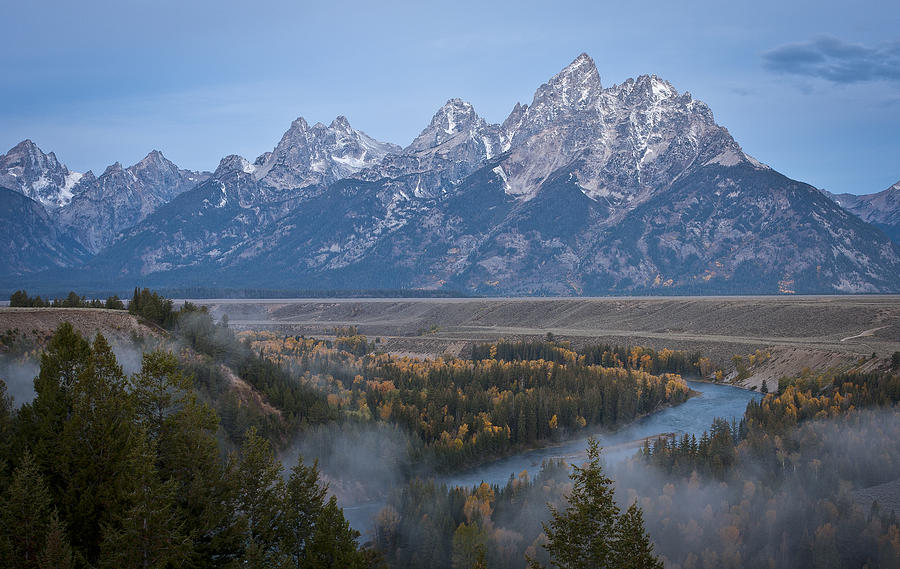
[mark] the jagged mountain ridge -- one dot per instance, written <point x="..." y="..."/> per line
<point x="93" y="210"/>
<point x="881" y="209"/>
<point x="227" y="214"/>
<point x="585" y="190"/>
<point x="451" y="147"/>
<point x="120" y="198"/>
<point x="483" y="240"/>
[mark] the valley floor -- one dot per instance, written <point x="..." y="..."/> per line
<point x="817" y="332"/>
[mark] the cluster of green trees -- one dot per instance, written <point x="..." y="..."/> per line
<point x="107" y="470"/>
<point x="20" y="298"/>
<point x="217" y="359"/>
<point x="713" y="454"/>
<point x="152" y="307"/>
<point x="467" y="411"/>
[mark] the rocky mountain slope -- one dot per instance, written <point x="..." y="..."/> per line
<point x="29" y="240"/>
<point x="881" y="209"/>
<point x="101" y="208"/>
<point x="227" y="215"/>
<point x="627" y="189"/>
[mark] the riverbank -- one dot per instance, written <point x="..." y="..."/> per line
<point x="723" y="384"/>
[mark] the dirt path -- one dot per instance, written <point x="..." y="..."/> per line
<point x="864" y="334"/>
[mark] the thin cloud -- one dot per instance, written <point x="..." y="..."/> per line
<point x="837" y="61"/>
<point x="744" y="91"/>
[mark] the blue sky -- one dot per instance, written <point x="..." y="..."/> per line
<point x="810" y="87"/>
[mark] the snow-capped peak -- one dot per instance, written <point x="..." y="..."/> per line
<point x="231" y="164"/>
<point x="41" y="177"/>
<point x="578" y="85"/>
<point x="575" y="89"/>
<point x="454" y="117"/>
<point x="340" y="123"/>
<point x="319" y="154"/>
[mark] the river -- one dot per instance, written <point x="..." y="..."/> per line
<point x="692" y="417"/>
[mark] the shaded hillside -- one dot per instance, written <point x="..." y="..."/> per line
<point x="29" y="241"/>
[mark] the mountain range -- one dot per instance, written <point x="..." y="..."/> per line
<point x="626" y="189"/>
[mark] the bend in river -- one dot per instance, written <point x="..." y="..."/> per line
<point x="691" y="417"/>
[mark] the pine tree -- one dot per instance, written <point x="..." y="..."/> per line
<point x="632" y="546"/>
<point x="581" y="536"/>
<point x="333" y="545"/>
<point x="159" y="390"/>
<point x="96" y="448"/>
<point x="134" y="307"/>
<point x="150" y="532"/>
<point x="469" y="545"/>
<point x="304" y="501"/>
<point x="589" y="533"/>
<point x="64" y="359"/>
<point x="188" y="456"/>
<point x="261" y="488"/>
<point x="25" y="515"/>
<point x="41" y="421"/>
<point x="57" y="553"/>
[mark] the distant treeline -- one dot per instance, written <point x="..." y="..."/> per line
<point x="254" y="293"/>
<point x="767" y="423"/>
<point x="606" y="355"/>
<point x="21" y="299"/>
<point x="257" y="293"/>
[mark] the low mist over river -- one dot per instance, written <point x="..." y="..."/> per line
<point x="692" y="417"/>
